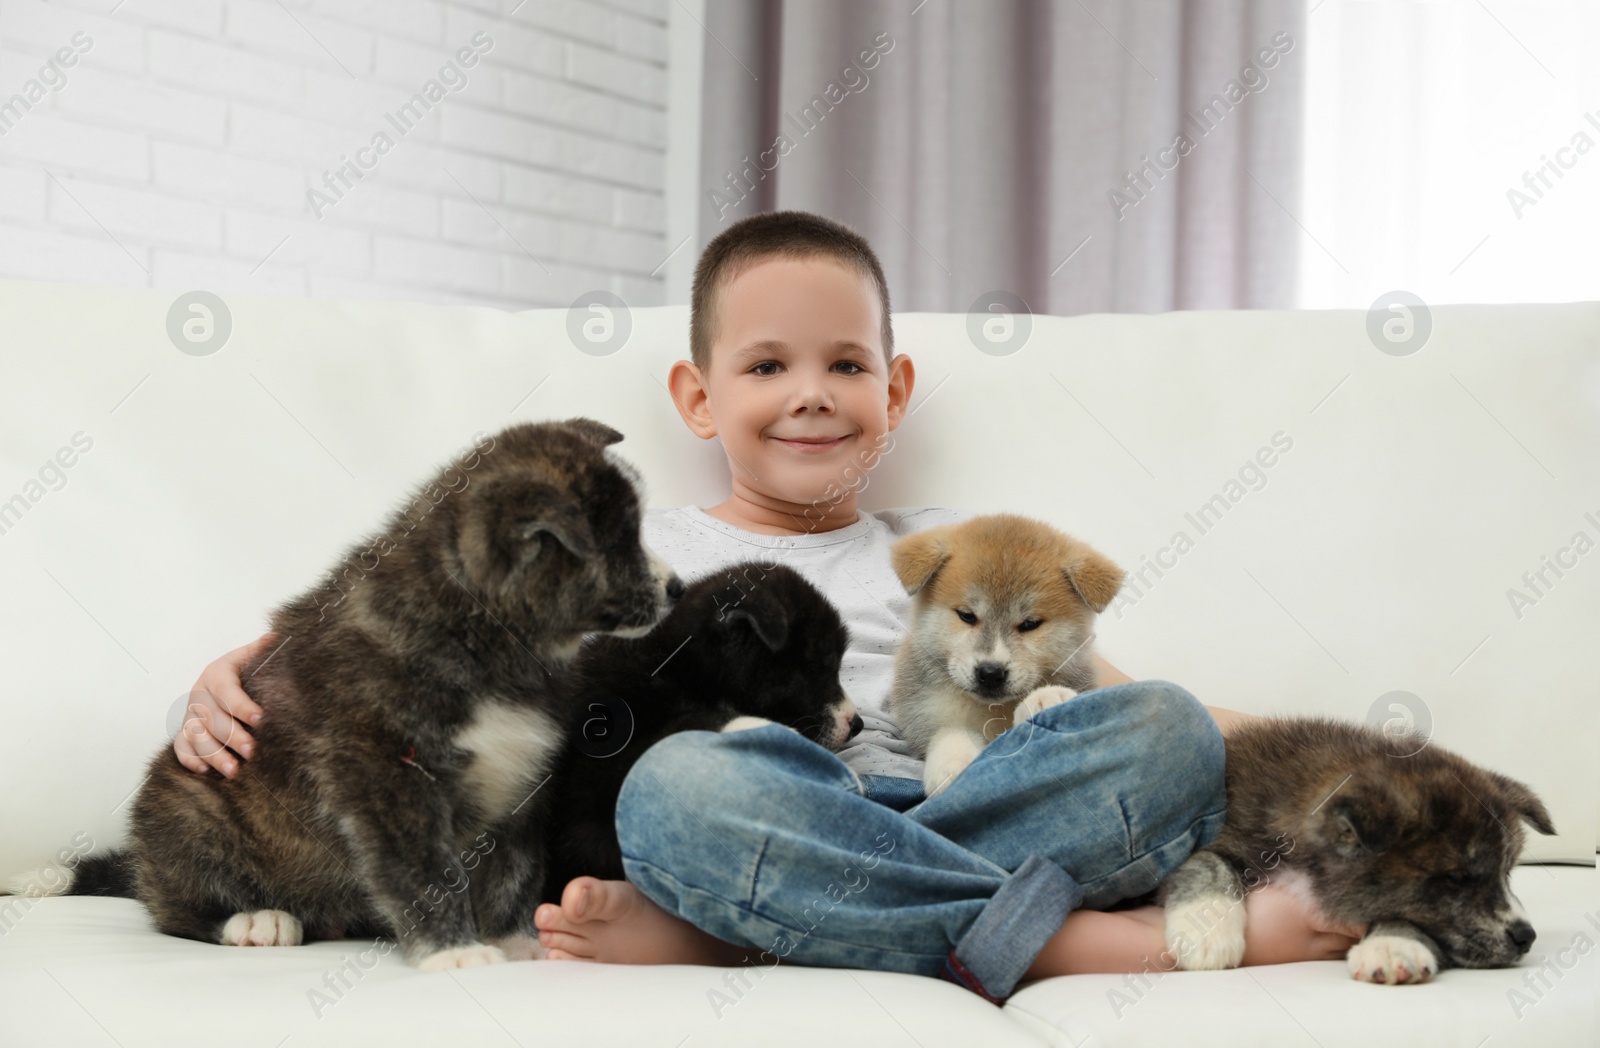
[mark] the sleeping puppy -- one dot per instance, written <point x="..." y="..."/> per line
<point x="1001" y="627"/>
<point x="411" y="711"/>
<point x="746" y="646"/>
<point x="1409" y="840"/>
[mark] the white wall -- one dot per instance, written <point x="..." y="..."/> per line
<point x="180" y="148"/>
<point x="686" y="45"/>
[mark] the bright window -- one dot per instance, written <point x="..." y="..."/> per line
<point x="1452" y="150"/>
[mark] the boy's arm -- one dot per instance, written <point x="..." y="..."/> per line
<point x="1279" y="927"/>
<point x="1228" y="720"/>
<point x="1107" y="674"/>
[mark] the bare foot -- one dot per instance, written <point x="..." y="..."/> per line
<point x="615" y="923"/>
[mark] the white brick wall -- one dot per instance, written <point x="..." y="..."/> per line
<point x="180" y="150"/>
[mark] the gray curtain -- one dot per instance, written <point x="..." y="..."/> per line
<point x="1094" y="156"/>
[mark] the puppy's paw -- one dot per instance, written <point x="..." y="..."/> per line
<point x="941" y="770"/>
<point x="1040" y="699"/>
<point x="469" y="956"/>
<point x="42" y="881"/>
<point x="263" y="928"/>
<point x="745" y="723"/>
<point x="520" y="947"/>
<point x="1392" y="959"/>
<point x="1206" y="933"/>
<point x="949" y="753"/>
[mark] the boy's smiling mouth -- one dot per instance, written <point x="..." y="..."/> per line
<point x="813" y="444"/>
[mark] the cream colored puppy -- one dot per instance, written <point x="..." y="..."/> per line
<point x="1001" y="628"/>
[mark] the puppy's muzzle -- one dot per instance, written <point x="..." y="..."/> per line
<point x="667" y="588"/>
<point x="844" y="725"/>
<point x="991" y="678"/>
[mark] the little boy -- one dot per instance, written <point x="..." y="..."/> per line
<point x="749" y="847"/>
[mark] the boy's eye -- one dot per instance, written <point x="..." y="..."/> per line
<point x="1028" y="624"/>
<point x="773" y="363"/>
<point x="966" y="616"/>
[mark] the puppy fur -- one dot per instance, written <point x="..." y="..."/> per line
<point x="745" y="646"/>
<point x="412" y="709"/>
<point x="1376" y="830"/>
<point x="1002" y="625"/>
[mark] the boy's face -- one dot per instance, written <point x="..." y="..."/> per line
<point x="797" y="357"/>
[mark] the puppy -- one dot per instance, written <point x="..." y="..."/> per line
<point x="1001" y="627"/>
<point x="411" y="710"/>
<point x="1408" y="839"/>
<point x="746" y="646"/>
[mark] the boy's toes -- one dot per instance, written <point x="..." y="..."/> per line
<point x="560" y="945"/>
<point x="563" y="955"/>
<point x="549" y="917"/>
<point x="590" y="899"/>
<point x="579" y="897"/>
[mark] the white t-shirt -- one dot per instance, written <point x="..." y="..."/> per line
<point x="852" y="568"/>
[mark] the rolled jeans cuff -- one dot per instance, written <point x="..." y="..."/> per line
<point x="1002" y="943"/>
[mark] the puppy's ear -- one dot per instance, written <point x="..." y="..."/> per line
<point x="501" y="524"/>
<point x="535" y="509"/>
<point x="569" y="529"/>
<point x="917" y="558"/>
<point x="1525" y="803"/>
<point x="1363" y="823"/>
<point x="767" y="619"/>
<point x="1095" y="578"/>
<point x="598" y="433"/>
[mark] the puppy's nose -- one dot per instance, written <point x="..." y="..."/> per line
<point x="675" y="588"/>
<point x="1522" y="934"/>
<point x="991" y="675"/>
<point x="855" y="725"/>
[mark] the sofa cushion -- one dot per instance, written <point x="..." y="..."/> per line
<point x="1309" y="524"/>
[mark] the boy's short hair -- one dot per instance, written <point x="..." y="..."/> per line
<point x="780" y="234"/>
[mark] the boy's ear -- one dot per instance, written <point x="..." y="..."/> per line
<point x="1094" y="577"/>
<point x="917" y="558"/>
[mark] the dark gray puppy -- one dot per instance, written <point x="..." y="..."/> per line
<point x="411" y="714"/>
<point x="1388" y="832"/>
<point x="748" y="645"/>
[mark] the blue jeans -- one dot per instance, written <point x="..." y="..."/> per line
<point x="765" y="839"/>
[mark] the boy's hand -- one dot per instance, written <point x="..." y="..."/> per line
<point x="212" y="735"/>
<point x="1281" y="925"/>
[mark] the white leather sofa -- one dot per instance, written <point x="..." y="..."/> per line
<point x="1358" y="523"/>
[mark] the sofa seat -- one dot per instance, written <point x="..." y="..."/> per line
<point x="94" y="972"/>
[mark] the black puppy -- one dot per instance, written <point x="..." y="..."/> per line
<point x="752" y="643"/>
